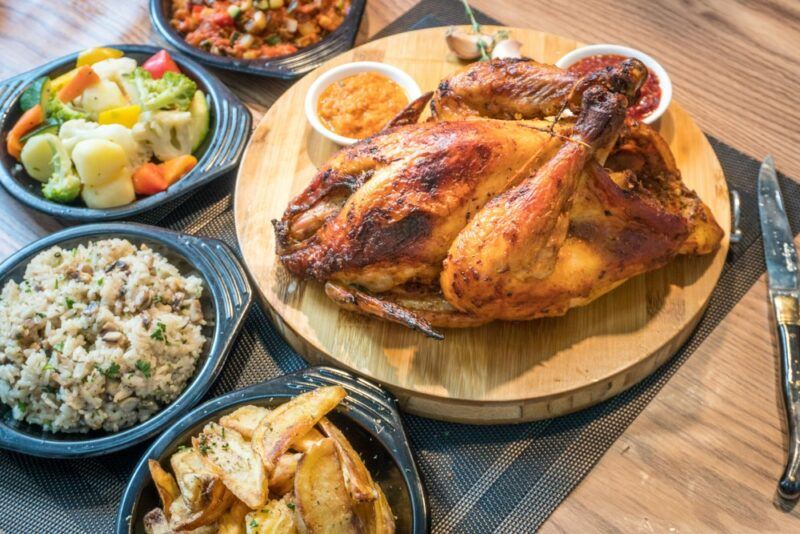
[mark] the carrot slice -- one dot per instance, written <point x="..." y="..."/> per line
<point x="149" y="180"/>
<point x="27" y="122"/>
<point x="173" y="169"/>
<point x="84" y="77"/>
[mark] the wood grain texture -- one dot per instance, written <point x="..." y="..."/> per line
<point x="501" y="372"/>
<point x="678" y="468"/>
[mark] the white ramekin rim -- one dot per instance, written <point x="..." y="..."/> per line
<point x="335" y="74"/>
<point x="654" y="66"/>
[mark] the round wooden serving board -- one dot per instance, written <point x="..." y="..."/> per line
<point x="502" y="372"/>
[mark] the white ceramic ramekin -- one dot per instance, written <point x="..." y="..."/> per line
<point x="349" y="69"/>
<point x="654" y="66"/>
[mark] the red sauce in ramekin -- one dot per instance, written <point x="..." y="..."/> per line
<point x="650" y="93"/>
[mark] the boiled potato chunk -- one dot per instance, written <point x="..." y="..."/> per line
<point x="37" y="155"/>
<point x="102" y="96"/>
<point x="118" y="192"/>
<point x="98" y="161"/>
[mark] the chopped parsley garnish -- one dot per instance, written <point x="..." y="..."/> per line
<point x="157" y="299"/>
<point x="254" y="523"/>
<point x="290" y="505"/>
<point x="69" y="302"/>
<point x="158" y="332"/>
<point x="59" y="347"/>
<point x="204" y="448"/>
<point x="56" y="284"/>
<point x="112" y="371"/>
<point x="100" y="281"/>
<point x="273" y="39"/>
<point x="48" y="367"/>
<point x="144" y="367"/>
<point x="40" y="314"/>
<point x="183" y="448"/>
<point x="22" y="406"/>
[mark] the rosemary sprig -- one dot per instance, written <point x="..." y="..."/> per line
<point x="476" y="27"/>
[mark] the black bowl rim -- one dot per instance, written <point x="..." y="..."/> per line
<point x="219" y="96"/>
<point x="229" y="317"/>
<point x="367" y="405"/>
<point x="280" y="67"/>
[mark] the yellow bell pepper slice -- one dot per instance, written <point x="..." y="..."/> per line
<point x="90" y="56"/>
<point x="126" y="116"/>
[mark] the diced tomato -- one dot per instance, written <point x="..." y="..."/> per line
<point x="197" y="9"/>
<point x="160" y="63"/>
<point x="222" y="19"/>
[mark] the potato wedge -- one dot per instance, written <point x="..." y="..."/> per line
<point x="166" y="485"/>
<point x="277" y="517"/>
<point x="216" y="500"/>
<point x="295" y="418"/>
<point x="232" y="521"/>
<point x="155" y="522"/>
<point x="282" y="480"/>
<point x="321" y="498"/>
<point x="356" y="475"/>
<point x="376" y="517"/>
<point x="307" y="440"/>
<point x="244" y="419"/>
<point x="228" y="455"/>
<point x="192" y="475"/>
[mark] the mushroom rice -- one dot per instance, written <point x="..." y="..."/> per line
<point x="97" y="337"/>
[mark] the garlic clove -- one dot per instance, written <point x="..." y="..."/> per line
<point x="507" y="48"/>
<point x="465" y="45"/>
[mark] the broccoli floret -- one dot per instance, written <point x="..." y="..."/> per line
<point x="62" y="188"/>
<point x="171" y="91"/>
<point x="64" y="185"/>
<point x="62" y="111"/>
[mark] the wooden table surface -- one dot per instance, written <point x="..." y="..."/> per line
<point x="705" y="455"/>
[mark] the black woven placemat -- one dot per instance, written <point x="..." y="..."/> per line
<point x="479" y="479"/>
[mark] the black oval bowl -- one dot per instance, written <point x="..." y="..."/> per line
<point x="285" y="67"/>
<point x="219" y="153"/>
<point x="367" y="416"/>
<point x="225" y="301"/>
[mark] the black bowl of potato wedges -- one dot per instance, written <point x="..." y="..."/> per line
<point x="318" y="450"/>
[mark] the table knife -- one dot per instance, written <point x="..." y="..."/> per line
<point x="784" y="291"/>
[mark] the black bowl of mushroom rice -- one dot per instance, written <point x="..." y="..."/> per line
<point x="110" y="332"/>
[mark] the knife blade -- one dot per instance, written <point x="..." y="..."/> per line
<point x="784" y="289"/>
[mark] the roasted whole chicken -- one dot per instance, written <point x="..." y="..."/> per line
<point x="525" y="194"/>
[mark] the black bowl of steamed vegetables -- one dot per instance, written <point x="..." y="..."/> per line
<point x="114" y="131"/>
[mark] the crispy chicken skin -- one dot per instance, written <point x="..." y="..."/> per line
<point x="489" y="211"/>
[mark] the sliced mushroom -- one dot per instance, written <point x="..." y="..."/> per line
<point x="113" y="337"/>
<point x="195" y="311"/>
<point x="143" y="298"/>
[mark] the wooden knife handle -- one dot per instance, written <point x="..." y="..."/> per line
<point x="789" y="337"/>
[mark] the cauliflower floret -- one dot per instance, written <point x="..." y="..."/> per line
<point x="74" y="131"/>
<point x="168" y="134"/>
<point x="114" y="69"/>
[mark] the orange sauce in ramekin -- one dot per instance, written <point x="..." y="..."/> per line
<point x="360" y="105"/>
